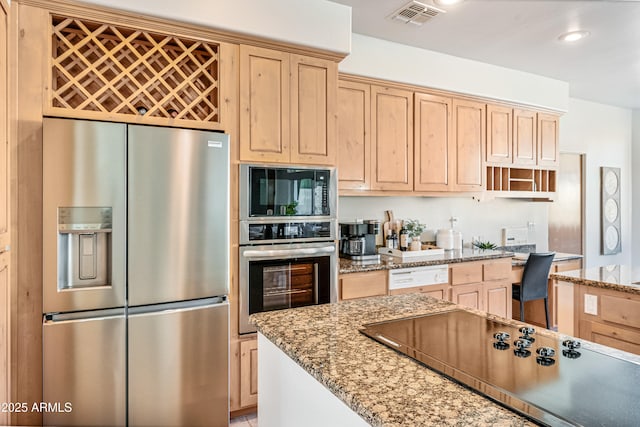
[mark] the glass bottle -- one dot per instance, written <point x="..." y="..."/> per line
<point x="404" y="239"/>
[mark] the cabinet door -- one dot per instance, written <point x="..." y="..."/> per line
<point x="497" y="298"/>
<point x="360" y="285"/>
<point x="499" y="134"/>
<point x="548" y="140"/>
<point x="264" y="105"/>
<point x="469" y="166"/>
<point x="354" y="144"/>
<point x="5" y="237"/>
<point x="249" y="373"/>
<point x="431" y="140"/>
<point x="391" y="139"/>
<point x="524" y="137"/>
<point x="314" y="86"/>
<point x="468" y="295"/>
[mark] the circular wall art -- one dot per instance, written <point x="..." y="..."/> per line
<point x="610" y="210"/>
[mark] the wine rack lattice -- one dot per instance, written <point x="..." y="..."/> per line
<point x="111" y="69"/>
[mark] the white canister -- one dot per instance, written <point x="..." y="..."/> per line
<point x="444" y="239"/>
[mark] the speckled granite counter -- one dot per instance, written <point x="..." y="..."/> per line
<point x="449" y="257"/>
<point x="520" y="259"/>
<point x="620" y="278"/>
<point x="382" y="386"/>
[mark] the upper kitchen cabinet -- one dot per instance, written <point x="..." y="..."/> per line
<point x="354" y="143"/>
<point x="469" y="130"/>
<point x="524" y="137"/>
<point x="499" y="134"/>
<point x="521" y="137"/>
<point x="433" y="150"/>
<point x="548" y="137"/>
<point x="391" y="139"/>
<point x="287" y="107"/>
<point x="449" y="144"/>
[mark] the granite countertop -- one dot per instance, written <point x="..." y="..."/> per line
<point x="449" y="257"/>
<point x="520" y="259"/>
<point x="621" y="278"/>
<point x="384" y="387"/>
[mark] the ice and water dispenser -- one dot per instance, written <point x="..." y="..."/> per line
<point x="84" y="247"/>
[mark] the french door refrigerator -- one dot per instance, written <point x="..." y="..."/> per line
<point x="135" y="275"/>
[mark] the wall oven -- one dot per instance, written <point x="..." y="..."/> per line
<point x="288" y="231"/>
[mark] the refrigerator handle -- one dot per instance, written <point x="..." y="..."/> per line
<point x="180" y="305"/>
<point x="50" y="318"/>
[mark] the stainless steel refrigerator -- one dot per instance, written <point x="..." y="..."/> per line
<point x="135" y="275"/>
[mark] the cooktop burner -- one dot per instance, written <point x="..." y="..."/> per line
<point x="553" y="382"/>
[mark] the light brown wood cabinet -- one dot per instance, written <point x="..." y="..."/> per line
<point x="483" y="285"/>
<point x="249" y="372"/>
<point x="499" y="134"/>
<point x="617" y="322"/>
<point x="548" y="140"/>
<point x="468" y="295"/>
<point x="287" y="107"/>
<point x="361" y="285"/>
<point x="432" y="136"/>
<point x="449" y="144"/>
<point x="521" y="137"/>
<point x="524" y="137"/>
<point x="391" y="139"/>
<point x="5" y="241"/>
<point x="469" y="131"/>
<point x="354" y="142"/>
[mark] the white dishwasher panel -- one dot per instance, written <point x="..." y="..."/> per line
<point x="418" y="276"/>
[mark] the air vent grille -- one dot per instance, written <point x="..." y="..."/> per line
<point x="415" y="13"/>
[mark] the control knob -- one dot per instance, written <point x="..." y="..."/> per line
<point x="571" y="344"/>
<point x="526" y="332"/>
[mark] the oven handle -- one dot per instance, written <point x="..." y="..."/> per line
<point x="288" y="252"/>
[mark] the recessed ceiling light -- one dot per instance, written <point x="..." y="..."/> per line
<point x="573" y="36"/>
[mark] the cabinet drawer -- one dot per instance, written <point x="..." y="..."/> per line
<point x="360" y="285"/>
<point x="622" y="311"/>
<point x="611" y="336"/>
<point x="466" y="273"/>
<point x="497" y="270"/>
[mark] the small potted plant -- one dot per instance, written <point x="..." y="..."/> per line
<point x="414" y="229"/>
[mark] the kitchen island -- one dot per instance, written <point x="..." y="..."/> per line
<point x="601" y="304"/>
<point x="381" y="386"/>
<point x="315" y="359"/>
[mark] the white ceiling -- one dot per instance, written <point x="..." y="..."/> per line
<point x="523" y="35"/>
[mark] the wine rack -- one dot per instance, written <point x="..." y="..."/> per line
<point x="102" y="69"/>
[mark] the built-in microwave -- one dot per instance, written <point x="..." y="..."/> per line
<point x="287" y="192"/>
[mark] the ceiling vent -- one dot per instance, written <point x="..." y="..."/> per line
<point x="415" y="13"/>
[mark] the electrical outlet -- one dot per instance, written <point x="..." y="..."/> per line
<point x="591" y="304"/>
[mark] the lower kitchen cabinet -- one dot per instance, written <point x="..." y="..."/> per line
<point x="436" y="291"/>
<point x="483" y="285"/>
<point x="616" y="322"/>
<point x="497" y="297"/>
<point x="249" y="372"/>
<point x="361" y="285"/>
<point x="468" y="295"/>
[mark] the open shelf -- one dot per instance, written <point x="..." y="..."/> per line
<point x="519" y="179"/>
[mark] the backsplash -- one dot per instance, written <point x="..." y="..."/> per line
<point x="481" y="219"/>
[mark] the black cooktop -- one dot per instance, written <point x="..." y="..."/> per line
<point x="551" y="381"/>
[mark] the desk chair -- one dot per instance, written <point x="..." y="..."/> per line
<point x="535" y="277"/>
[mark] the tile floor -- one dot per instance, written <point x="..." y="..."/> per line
<point x="250" y="420"/>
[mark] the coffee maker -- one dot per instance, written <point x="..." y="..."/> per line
<point x="358" y="241"/>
